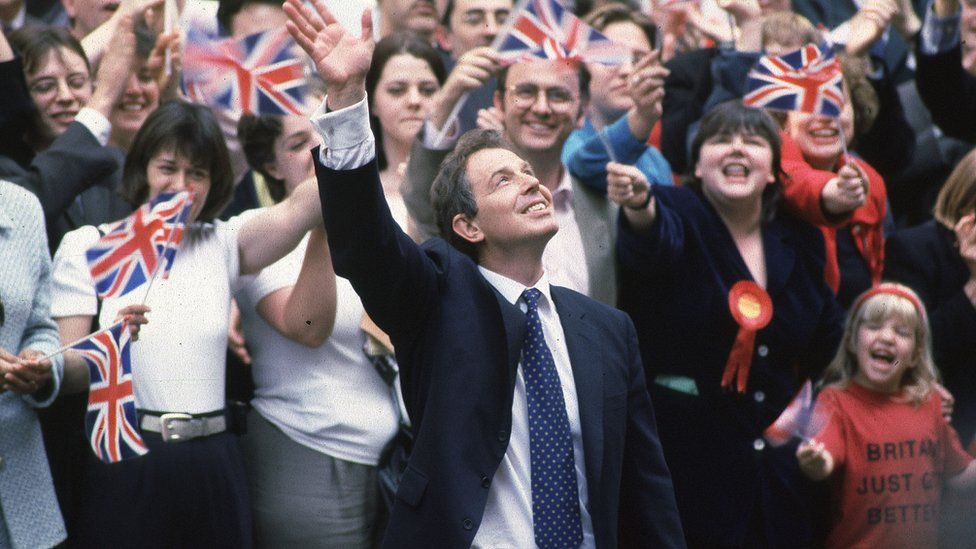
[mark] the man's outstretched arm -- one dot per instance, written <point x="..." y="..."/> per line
<point x="393" y="277"/>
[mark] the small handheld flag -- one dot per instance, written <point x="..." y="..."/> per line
<point x="110" y="421"/>
<point x="802" y="419"/>
<point x="257" y="74"/>
<point x="546" y="29"/>
<point x="807" y="80"/>
<point x="129" y="255"/>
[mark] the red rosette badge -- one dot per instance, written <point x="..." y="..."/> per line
<point x="752" y="309"/>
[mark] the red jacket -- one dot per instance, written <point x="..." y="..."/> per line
<point x="802" y="188"/>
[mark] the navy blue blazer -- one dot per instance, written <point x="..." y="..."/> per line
<point x="675" y="280"/>
<point x="925" y="259"/>
<point x="458" y="343"/>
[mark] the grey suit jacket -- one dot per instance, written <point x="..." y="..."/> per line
<point x="30" y="515"/>
<point x="595" y="215"/>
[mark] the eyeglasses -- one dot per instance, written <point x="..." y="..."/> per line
<point x="527" y="94"/>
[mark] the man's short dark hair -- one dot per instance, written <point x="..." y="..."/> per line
<point x="452" y="193"/>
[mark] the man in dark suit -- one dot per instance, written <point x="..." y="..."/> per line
<point x="529" y="408"/>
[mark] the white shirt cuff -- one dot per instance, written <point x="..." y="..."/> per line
<point x="347" y="142"/>
<point x="97" y="124"/>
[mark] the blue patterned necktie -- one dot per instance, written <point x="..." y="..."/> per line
<point x="555" y="496"/>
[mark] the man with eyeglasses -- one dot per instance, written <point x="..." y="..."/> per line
<point x="540" y="103"/>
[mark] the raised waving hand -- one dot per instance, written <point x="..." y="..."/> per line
<point x="340" y="58"/>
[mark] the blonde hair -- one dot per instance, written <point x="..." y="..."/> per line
<point x="916" y="380"/>
<point x="786" y="27"/>
<point x="958" y="195"/>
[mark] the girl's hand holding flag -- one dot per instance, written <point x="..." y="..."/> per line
<point x="815" y="461"/>
<point x="846" y="192"/>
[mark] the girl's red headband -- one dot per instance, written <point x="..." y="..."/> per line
<point x="892" y="289"/>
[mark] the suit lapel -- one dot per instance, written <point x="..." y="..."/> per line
<point x="588" y="377"/>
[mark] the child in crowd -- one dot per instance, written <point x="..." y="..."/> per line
<point x="887" y="447"/>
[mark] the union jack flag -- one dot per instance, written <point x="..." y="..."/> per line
<point x="128" y="256"/>
<point x="807" y="80"/>
<point x="111" y="422"/>
<point x="257" y="74"/>
<point x="546" y="29"/>
<point x="173" y="209"/>
<point x="801" y="418"/>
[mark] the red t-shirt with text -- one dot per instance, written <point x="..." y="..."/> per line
<point x="891" y="459"/>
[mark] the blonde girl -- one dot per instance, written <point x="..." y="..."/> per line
<point x="887" y="447"/>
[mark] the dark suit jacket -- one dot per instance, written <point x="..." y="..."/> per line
<point x="925" y="259"/>
<point x="675" y="281"/>
<point x="595" y="216"/>
<point x="75" y="164"/>
<point x="458" y="344"/>
<point x="949" y="92"/>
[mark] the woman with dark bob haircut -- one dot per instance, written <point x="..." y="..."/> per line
<point x="732" y="313"/>
<point x="190" y="489"/>
<point x="191" y="131"/>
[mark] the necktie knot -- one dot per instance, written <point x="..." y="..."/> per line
<point x="531" y="297"/>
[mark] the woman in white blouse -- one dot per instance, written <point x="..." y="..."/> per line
<point x="190" y="488"/>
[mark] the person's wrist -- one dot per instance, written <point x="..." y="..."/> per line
<point x="102" y="104"/>
<point x="643" y="205"/>
<point x="348" y="95"/>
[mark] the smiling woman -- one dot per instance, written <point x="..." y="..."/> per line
<point x="701" y="264"/>
<point x="178" y="362"/>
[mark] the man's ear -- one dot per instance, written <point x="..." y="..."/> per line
<point x="69" y="7"/>
<point x="467" y="228"/>
<point x="499" y="101"/>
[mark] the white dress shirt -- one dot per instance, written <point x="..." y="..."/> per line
<point x="507" y="520"/>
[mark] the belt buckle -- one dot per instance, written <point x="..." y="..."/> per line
<point x="169" y="432"/>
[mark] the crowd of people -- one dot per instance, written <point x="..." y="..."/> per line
<point x="466" y="301"/>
